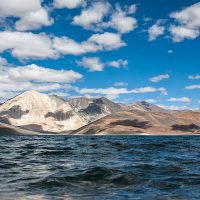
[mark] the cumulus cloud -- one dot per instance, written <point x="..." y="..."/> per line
<point x="3" y="62"/>
<point x="101" y="15"/>
<point x="121" y="21"/>
<point x="156" y="30"/>
<point x="188" y="23"/>
<point x="194" y="77"/>
<point x="30" y="13"/>
<point x="95" y="64"/>
<point x="179" y="33"/>
<point x="92" y="15"/>
<point x="181" y="99"/>
<point x="113" y="92"/>
<point x="107" y="40"/>
<point x="41" y="74"/>
<point x="158" y="78"/>
<point x="26" y="45"/>
<point x="70" y="4"/>
<point x="118" y="63"/>
<point x="162" y="90"/>
<point x="91" y="63"/>
<point x="192" y="87"/>
<point x="97" y="42"/>
<point x="14" y="80"/>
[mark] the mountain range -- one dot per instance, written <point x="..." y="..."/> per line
<point x="41" y="113"/>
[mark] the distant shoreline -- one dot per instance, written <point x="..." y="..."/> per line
<point x="12" y="130"/>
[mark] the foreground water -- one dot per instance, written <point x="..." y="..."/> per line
<point x="103" y="167"/>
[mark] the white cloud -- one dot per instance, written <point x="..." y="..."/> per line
<point x="162" y="90"/>
<point x="107" y="40"/>
<point x="95" y="64"/>
<point x="91" y="63"/>
<point x="131" y="9"/>
<point x="181" y="99"/>
<point x="14" y="80"/>
<point x="194" y="77"/>
<point x="118" y="63"/>
<point x="41" y="74"/>
<point x="113" y="92"/>
<point x="121" y="22"/>
<point x="92" y="15"/>
<point x="158" y="78"/>
<point x="179" y="33"/>
<point x="100" y="15"/>
<point x="30" y="13"/>
<point x="156" y="30"/>
<point x="188" y="20"/>
<point x="70" y="4"/>
<point x="3" y="62"/>
<point x="97" y="42"/>
<point x="173" y="107"/>
<point x="24" y="45"/>
<point x="119" y="84"/>
<point x="192" y="87"/>
<point x="68" y="46"/>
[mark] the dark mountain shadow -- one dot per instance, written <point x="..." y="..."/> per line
<point x="134" y="123"/>
<point x="185" y="128"/>
<point x="60" y="116"/>
<point x="15" y="112"/>
<point x="92" y="109"/>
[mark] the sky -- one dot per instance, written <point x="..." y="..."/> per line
<point x="125" y="50"/>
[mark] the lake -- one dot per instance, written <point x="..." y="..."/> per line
<point x="99" y="167"/>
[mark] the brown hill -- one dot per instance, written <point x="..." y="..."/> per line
<point x="138" y="122"/>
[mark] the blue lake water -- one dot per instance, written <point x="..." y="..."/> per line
<point x="99" y="167"/>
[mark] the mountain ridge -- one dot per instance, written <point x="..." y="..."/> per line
<point x="39" y="112"/>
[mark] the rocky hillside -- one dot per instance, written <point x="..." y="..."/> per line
<point x="43" y="113"/>
<point x="46" y="113"/>
<point x="92" y="109"/>
<point x="145" y="106"/>
<point x="145" y="122"/>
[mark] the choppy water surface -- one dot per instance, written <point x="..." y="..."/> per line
<point x="103" y="167"/>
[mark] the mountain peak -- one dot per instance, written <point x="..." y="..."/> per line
<point x="31" y="92"/>
<point x="145" y="106"/>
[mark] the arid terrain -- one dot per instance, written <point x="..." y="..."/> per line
<point x="41" y="113"/>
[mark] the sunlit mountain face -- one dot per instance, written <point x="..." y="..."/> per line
<point x="126" y="51"/>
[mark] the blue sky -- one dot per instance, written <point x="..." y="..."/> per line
<point x="124" y="50"/>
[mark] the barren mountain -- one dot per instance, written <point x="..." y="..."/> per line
<point x="47" y="113"/>
<point x="92" y="109"/>
<point x="145" y="122"/>
<point x="145" y="106"/>
<point x="37" y="111"/>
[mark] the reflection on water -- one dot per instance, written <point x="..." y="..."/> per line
<point x="102" y="167"/>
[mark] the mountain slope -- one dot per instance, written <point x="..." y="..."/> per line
<point x="46" y="113"/>
<point x="35" y="111"/>
<point x="145" y="106"/>
<point x="93" y="109"/>
<point x="41" y="112"/>
<point x="144" y="122"/>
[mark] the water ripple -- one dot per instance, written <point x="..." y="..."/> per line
<point x="96" y="168"/>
